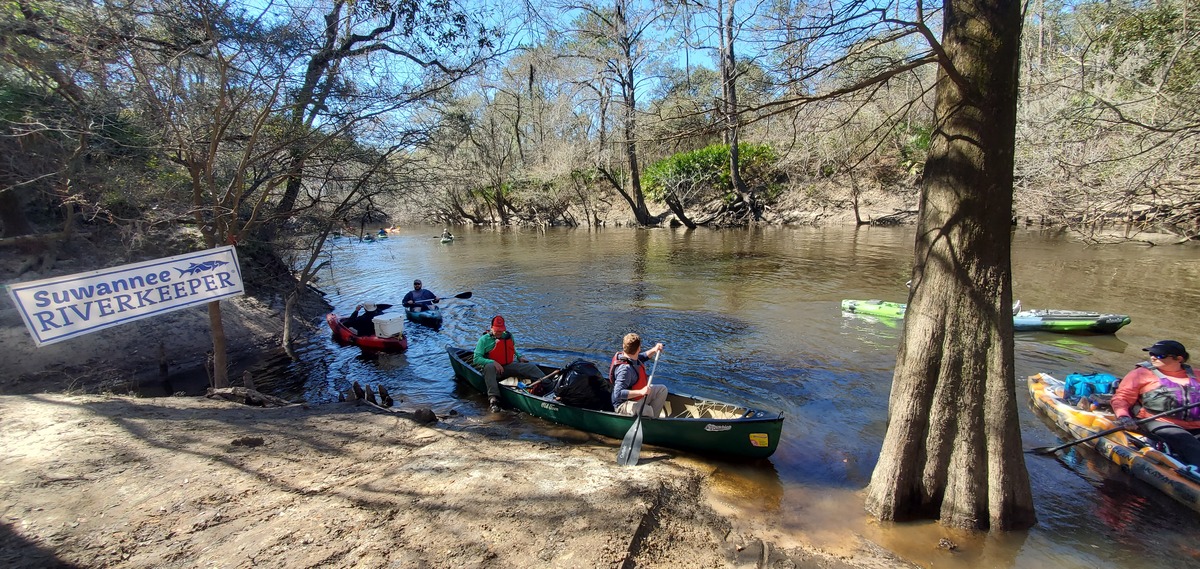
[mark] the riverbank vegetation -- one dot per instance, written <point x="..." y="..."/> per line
<point x="240" y="121"/>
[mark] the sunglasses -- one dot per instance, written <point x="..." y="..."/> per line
<point x="1160" y="356"/>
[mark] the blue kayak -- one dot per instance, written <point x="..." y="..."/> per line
<point x="431" y="317"/>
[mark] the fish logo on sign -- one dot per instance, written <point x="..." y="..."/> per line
<point x="198" y="268"/>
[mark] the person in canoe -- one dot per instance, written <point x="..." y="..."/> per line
<point x="419" y="298"/>
<point x="630" y="381"/>
<point x="1163" y="383"/>
<point x="362" y="323"/>
<point x="446" y="234"/>
<point x="496" y="354"/>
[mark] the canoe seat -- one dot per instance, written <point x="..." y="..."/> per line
<point x="714" y="410"/>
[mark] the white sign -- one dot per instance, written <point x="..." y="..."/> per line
<point x="65" y="307"/>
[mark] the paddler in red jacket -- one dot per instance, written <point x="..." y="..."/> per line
<point x="1165" y="382"/>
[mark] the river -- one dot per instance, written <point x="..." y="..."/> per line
<point x="753" y="315"/>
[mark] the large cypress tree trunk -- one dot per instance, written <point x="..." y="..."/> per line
<point x="953" y="445"/>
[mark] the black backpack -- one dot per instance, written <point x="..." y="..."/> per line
<point x="581" y="385"/>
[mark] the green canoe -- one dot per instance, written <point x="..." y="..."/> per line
<point x="692" y="424"/>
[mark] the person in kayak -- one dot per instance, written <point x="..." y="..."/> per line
<point x="446" y="234"/>
<point x="631" y="385"/>
<point x="363" y="324"/>
<point x="1163" y="383"/>
<point x="419" y="298"/>
<point x="496" y="354"/>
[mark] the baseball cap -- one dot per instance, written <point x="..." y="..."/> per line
<point x="498" y="323"/>
<point x="1167" y="348"/>
<point x="369" y="306"/>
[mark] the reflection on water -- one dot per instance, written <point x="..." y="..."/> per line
<point x="754" y="315"/>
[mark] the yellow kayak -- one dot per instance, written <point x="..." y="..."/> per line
<point x="1131" y="451"/>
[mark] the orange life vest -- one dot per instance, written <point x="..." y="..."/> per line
<point x="505" y="351"/>
<point x="620" y="358"/>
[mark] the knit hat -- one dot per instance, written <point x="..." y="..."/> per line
<point x="498" y="323"/>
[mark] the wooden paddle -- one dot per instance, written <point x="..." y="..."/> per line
<point x="631" y="445"/>
<point x="1052" y="450"/>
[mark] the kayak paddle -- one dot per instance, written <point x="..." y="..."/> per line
<point x="462" y="295"/>
<point x="631" y="445"/>
<point x="1052" y="450"/>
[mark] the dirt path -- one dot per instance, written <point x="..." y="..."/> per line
<point x="104" y="481"/>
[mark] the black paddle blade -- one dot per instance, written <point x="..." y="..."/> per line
<point x="1043" y="450"/>
<point x="463" y="295"/>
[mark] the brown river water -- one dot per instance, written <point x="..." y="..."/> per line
<point x="753" y="315"/>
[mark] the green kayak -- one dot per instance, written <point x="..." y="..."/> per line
<point x="875" y="308"/>
<point x="691" y="423"/>
<point x="1062" y="321"/>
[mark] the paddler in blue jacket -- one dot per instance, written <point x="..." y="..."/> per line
<point x="631" y="384"/>
<point x="419" y="298"/>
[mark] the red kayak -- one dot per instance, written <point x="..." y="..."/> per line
<point x="344" y="335"/>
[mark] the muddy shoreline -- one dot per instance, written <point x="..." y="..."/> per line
<point x="111" y="481"/>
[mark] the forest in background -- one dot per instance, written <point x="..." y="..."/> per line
<point x="242" y="119"/>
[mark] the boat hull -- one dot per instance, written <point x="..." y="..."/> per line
<point x="1069" y="321"/>
<point x="880" y="308"/>
<point x="431" y="317"/>
<point x="1124" y="449"/>
<point x="1062" y="321"/>
<point x="694" y="424"/>
<point x="346" y="336"/>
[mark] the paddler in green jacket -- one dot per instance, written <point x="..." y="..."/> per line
<point x="496" y="354"/>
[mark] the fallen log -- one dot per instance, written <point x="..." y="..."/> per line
<point x="248" y="396"/>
